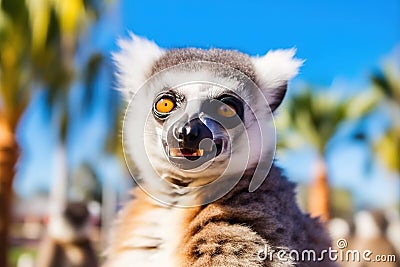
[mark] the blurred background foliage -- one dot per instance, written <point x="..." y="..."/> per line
<point x="313" y="118"/>
<point x="49" y="51"/>
<point x="39" y="41"/>
<point x="387" y="147"/>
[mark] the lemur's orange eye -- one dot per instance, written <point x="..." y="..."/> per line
<point x="226" y="111"/>
<point x="165" y="105"/>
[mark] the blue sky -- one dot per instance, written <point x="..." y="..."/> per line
<point x="337" y="38"/>
<point x="341" y="41"/>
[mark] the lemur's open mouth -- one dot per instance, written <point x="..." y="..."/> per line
<point x="185" y="152"/>
<point x="194" y="154"/>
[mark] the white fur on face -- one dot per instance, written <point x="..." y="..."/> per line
<point x="245" y="142"/>
<point x="134" y="63"/>
<point x="142" y="115"/>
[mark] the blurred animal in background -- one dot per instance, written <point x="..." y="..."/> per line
<point x="67" y="243"/>
<point x="369" y="232"/>
<point x="199" y="124"/>
<point x="370" y="228"/>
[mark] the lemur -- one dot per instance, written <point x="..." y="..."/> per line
<point x="67" y="243"/>
<point x="370" y="234"/>
<point x="190" y="127"/>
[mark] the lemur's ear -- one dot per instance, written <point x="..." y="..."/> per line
<point x="273" y="71"/>
<point x="134" y="62"/>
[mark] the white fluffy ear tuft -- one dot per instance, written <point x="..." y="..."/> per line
<point x="134" y="63"/>
<point x="273" y="71"/>
<point x="276" y="68"/>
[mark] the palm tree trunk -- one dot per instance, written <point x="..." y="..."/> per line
<point x="8" y="158"/>
<point x="318" y="196"/>
<point x="59" y="185"/>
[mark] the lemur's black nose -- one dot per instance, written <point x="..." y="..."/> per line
<point x="191" y="133"/>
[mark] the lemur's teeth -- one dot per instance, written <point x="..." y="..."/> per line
<point x="177" y="152"/>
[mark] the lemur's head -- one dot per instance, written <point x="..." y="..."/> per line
<point x="195" y="114"/>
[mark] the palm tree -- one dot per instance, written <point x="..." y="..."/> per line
<point x="14" y="96"/>
<point x="38" y="41"/>
<point x="387" y="147"/>
<point x="314" y="117"/>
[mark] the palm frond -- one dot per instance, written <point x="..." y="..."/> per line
<point x="316" y="115"/>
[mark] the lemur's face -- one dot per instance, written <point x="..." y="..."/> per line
<point x="197" y="122"/>
<point x="200" y="114"/>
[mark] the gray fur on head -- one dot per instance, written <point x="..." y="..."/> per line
<point x="140" y="58"/>
<point x="231" y="58"/>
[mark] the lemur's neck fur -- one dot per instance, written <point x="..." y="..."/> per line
<point x="184" y="196"/>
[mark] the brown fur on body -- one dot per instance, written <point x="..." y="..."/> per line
<point x="231" y="230"/>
